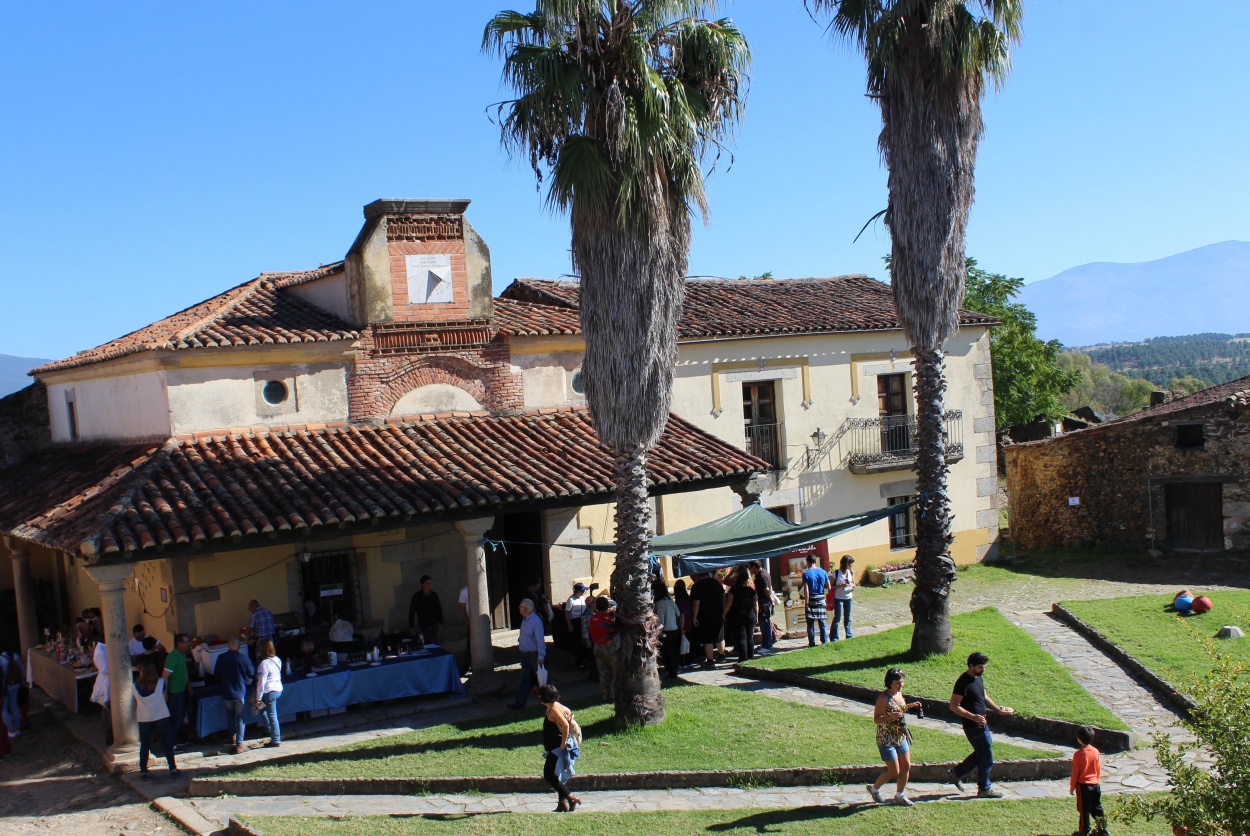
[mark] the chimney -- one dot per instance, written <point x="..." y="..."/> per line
<point x="418" y="262"/>
<point x="1159" y="398"/>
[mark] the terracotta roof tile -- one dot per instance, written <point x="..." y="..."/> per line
<point x="725" y="308"/>
<point x="257" y="312"/>
<point x="233" y="486"/>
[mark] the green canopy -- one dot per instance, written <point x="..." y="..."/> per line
<point x="750" y="534"/>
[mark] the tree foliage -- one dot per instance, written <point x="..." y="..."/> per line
<point x="1108" y="392"/>
<point x="1206" y="800"/>
<point x="1211" y="358"/>
<point x="1028" y="380"/>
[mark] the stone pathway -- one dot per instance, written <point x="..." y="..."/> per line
<point x="52" y="783"/>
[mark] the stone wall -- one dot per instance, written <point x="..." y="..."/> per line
<point x="1117" y="472"/>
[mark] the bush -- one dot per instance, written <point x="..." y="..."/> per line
<point x="1214" y="800"/>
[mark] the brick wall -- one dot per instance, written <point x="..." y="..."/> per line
<point x="377" y="382"/>
<point x="1119" y="472"/>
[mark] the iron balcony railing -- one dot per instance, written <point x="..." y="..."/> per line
<point x="764" y="440"/>
<point x="878" y="444"/>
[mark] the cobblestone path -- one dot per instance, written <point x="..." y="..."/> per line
<point x="53" y="783"/>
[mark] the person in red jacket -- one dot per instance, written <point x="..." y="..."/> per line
<point x="1085" y="785"/>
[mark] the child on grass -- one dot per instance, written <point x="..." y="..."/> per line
<point x="1086" y="777"/>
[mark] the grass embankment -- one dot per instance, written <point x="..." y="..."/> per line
<point x="1020" y="674"/>
<point x="1002" y="818"/>
<point x="706" y="729"/>
<point x="1168" y="643"/>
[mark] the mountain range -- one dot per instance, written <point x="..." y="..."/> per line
<point x="1202" y="290"/>
<point x="13" y="372"/>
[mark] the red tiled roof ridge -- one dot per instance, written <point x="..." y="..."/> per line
<point x="168" y="333"/>
<point x="1235" y="394"/>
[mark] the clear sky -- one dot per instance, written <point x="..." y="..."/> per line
<point x="155" y="154"/>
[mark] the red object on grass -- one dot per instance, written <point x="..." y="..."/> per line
<point x="1202" y="604"/>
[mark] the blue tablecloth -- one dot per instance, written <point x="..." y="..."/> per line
<point x="433" y="672"/>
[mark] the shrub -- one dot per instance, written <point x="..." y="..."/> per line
<point x="1214" y="800"/>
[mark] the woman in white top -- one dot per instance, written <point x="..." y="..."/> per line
<point x="573" y="609"/>
<point x="152" y="714"/>
<point x="268" y="689"/>
<point x="100" y="691"/>
<point x="843" y="586"/>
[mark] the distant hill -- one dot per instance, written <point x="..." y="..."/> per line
<point x="13" y="372"/>
<point x="1202" y="290"/>
<point x="1212" y="358"/>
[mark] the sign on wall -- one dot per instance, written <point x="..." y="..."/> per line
<point x="429" y="279"/>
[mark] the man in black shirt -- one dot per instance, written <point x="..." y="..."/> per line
<point x="764" y="593"/>
<point x="426" y="611"/>
<point x="969" y="702"/>
<point x="707" y="610"/>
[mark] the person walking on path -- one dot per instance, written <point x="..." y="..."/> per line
<point x="707" y="608"/>
<point x="741" y="614"/>
<point x="671" y="625"/>
<point x="1086" y="784"/>
<point x="269" y="689"/>
<point x="764" y="596"/>
<point x="235" y="671"/>
<point x="561" y="746"/>
<point x="843" y="586"/>
<point x="970" y="703"/>
<point x="177" y="688"/>
<point x="425" y="611"/>
<point x="893" y="739"/>
<point x="152" y="715"/>
<point x="533" y="647"/>
<point x="815" y="587"/>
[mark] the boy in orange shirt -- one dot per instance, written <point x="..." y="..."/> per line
<point x="1086" y="777"/>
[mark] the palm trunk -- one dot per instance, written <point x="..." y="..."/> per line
<point x="638" y="698"/>
<point x="930" y="600"/>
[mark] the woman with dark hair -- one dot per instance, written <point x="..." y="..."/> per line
<point x="152" y="714"/>
<point x="268" y="689"/>
<point x="893" y="739"/>
<point x="670" y="623"/>
<point x="561" y="743"/>
<point x="742" y="610"/>
<point x="682" y="599"/>
<point x="843" y="587"/>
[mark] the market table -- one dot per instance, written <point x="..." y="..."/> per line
<point x="414" y="674"/>
<point x="63" y="683"/>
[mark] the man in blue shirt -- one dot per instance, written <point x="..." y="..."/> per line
<point x="533" y="649"/>
<point x="815" y="587"/>
<point x="235" y="671"/>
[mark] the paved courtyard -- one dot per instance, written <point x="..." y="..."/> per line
<point x="53" y="781"/>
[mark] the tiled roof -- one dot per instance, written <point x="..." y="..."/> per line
<point x="256" y="312"/>
<point x="236" y="487"/>
<point x="1235" y="395"/>
<point x="727" y="308"/>
<point x="524" y="319"/>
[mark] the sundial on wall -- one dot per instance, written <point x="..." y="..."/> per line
<point x="429" y="279"/>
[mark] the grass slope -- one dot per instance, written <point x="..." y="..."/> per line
<point x="1020" y="674"/>
<point x="707" y="728"/>
<point x="1002" y="818"/>
<point x="1169" y="644"/>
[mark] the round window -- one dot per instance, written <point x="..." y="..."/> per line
<point x="275" y="392"/>
<point x="578" y="383"/>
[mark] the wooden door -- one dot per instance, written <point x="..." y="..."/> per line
<point x="759" y="419"/>
<point x="892" y="409"/>
<point x="1195" y="515"/>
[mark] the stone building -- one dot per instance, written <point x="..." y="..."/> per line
<point x="1172" y="476"/>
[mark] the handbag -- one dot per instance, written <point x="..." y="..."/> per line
<point x="685" y="645"/>
<point x="542" y="676"/>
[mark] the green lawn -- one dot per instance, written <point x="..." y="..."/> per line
<point x="1002" y="818"/>
<point x="1020" y="674"/>
<point x="1167" y="643"/>
<point x="706" y="728"/>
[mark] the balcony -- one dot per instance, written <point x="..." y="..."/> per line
<point x="880" y="444"/>
<point x="764" y="440"/>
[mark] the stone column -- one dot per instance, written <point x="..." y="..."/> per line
<point x="111" y="581"/>
<point x="24" y="587"/>
<point x="482" y="653"/>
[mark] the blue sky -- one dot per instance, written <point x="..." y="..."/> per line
<point x="158" y="153"/>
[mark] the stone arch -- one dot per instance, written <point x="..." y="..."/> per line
<point x="434" y="398"/>
<point x="446" y="371"/>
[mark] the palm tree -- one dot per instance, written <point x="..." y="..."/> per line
<point x="929" y="62"/>
<point x="617" y="102"/>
